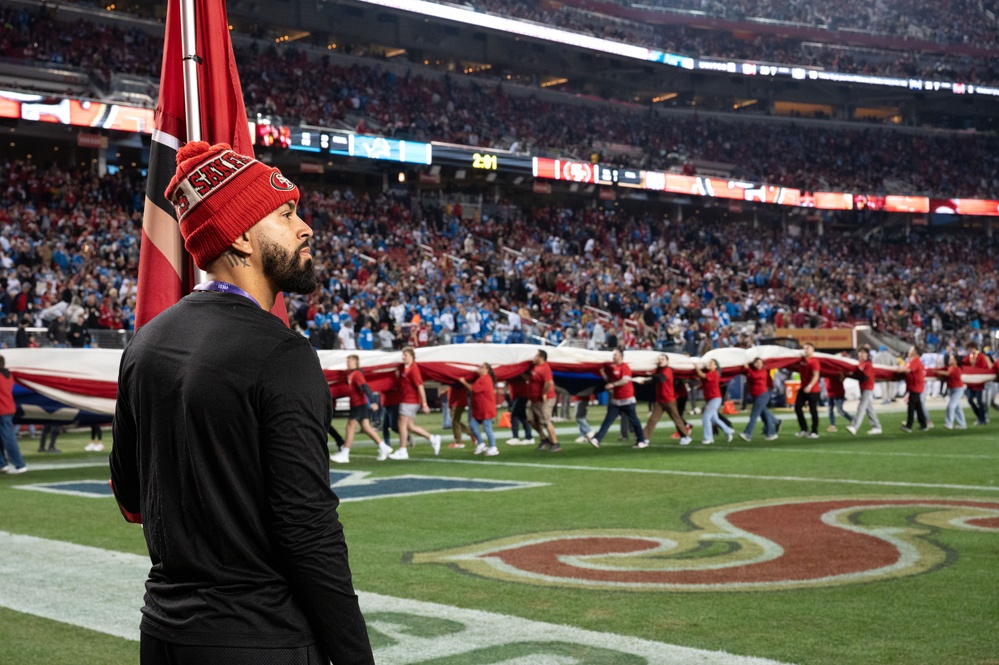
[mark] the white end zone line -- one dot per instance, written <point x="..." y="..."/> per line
<point x="102" y="590"/>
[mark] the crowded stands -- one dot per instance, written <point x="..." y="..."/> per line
<point x="370" y="98"/>
<point x="395" y="273"/>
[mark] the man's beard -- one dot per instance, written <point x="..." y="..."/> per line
<point x="285" y="270"/>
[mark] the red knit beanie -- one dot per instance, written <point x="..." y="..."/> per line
<point x="219" y="194"/>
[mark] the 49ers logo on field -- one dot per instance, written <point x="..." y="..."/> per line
<point x="755" y="546"/>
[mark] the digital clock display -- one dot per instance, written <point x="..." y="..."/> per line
<point x="483" y="160"/>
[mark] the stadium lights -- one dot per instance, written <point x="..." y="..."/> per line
<point x="543" y="32"/>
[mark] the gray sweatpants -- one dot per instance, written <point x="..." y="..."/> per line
<point x="866" y="408"/>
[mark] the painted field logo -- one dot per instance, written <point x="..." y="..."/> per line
<point x="755" y="546"/>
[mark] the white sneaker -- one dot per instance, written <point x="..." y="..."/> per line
<point x="771" y="437"/>
<point x="5" y="468"/>
<point x="513" y="442"/>
<point x="708" y="442"/>
<point x="729" y="436"/>
<point x="946" y="426"/>
<point x="580" y="439"/>
<point x="98" y="447"/>
<point x="435" y="443"/>
<point x="527" y="442"/>
<point x="745" y="437"/>
<point x="384" y="450"/>
<point x="479" y="449"/>
<point x="89" y="447"/>
<point x="341" y="456"/>
<point x="400" y="454"/>
<point x="492" y="452"/>
<point x="14" y="471"/>
<point x="851" y="429"/>
<point x="876" y="430"/>
<point x="813" y="435"/>
<point x="801" y="434"/>
<point x="593" y="441"/>
<point x="641" y="444"/>
<point x="685" y="441"/>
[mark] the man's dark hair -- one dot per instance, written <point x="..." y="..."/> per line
<point x="543" y="354"/>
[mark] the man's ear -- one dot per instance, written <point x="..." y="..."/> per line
<point x="242" y="244"/>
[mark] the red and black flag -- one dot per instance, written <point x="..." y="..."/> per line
<point x="165" y="270"/>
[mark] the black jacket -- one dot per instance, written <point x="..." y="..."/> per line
<point x="220" y="445"/>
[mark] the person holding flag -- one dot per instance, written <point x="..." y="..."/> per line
<point x="915" y="383"/>
<point x="222" y="410"/>
<point x="220" y="440"/>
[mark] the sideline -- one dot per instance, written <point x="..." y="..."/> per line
<point x="101" y="590"/>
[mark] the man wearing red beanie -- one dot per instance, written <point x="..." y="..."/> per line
<point x="220" y="440"/>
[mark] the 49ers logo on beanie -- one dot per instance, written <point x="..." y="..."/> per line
<point x="219" y="194"/>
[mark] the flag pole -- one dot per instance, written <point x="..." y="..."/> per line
<point x="192" y="103"/>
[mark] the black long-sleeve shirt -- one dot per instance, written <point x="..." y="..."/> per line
<point x="220" y="444"/>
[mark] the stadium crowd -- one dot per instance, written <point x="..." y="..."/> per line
<point x="285" y="83"/>
<point x="425" y="273"/>
<point x="819" y="50"/>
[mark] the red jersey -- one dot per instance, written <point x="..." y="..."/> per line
<point x="391" y="397"/>
<point x="665" y="392"/>
<point x="518" y="387"/>
<point x="356" y="383"/>
<point x="757" y="381"/>
<point x="457" y="396"/>
<point x="915" y="380"/>
<point x="712" y="386"/>
<point x="483" y="398"/>
<point x="810" y="370"/>
<point x="680" y="388"/>
<point x="954" y="378"/>
<point x="980" y="362"/>
<point x="7" y="406"/>
<point x="540" y="375"/>
<point x="867" y="369"/>
<point x="834" y="387"/>
<point x="410" y="384"/>
<point x="615" y="373"/>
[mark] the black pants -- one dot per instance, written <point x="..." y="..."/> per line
<point x="813" y="407"/>
<point x="390" y="422"/>
<point x="916" y="408"/>
<point x="977" y="405"/>
<point x="518" y="416"/>
<point x="153" y="651"/>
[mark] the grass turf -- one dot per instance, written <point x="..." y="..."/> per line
<point x="947" y="615"/>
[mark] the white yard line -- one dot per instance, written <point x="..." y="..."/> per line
<point x="101" y="590"/>
<point x="709" y="474"/>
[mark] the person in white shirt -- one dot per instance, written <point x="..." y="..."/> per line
<point x="474" y="321"/>
<point x="513" y="318"/>
<point x="346" y="336"/>
<point x="386" y="338"/>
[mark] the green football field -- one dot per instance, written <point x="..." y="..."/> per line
<point x="839" y="550"/>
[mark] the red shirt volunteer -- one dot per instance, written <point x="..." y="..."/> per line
<point x="540" y="375"/>
<point x="356" y="383"/>
<point x="712" y="385"/>
<point x="457" y="396"/>
<point x="810" y="369"/>
<point x="7" y="405"/>
<point x="980" y="362"/>
<point x="483" y="398"/>
<point x="757" y="381"/>
<point x="915" y="380"/>
<point x="835" y="387"/>
<point x="866" y="368"/>
<point x="954" y="378"/>
<point x="518" y="388"/>
<point x="411" y="381"/>
<point x="616" y="373"/>
<point x="665" y="392"/>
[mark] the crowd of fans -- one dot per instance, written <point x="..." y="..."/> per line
<point x="820" y="50"/>
<point x="396" y="271"/>
<point x="287" y="84"/>
<point x="956" y="22"/>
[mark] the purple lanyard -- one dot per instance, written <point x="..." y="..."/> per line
<point x="225" y="287"/>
